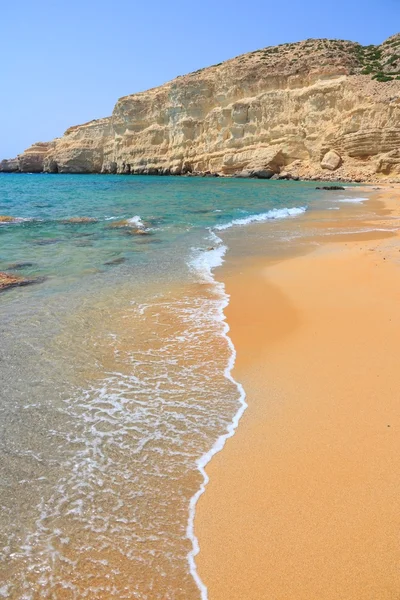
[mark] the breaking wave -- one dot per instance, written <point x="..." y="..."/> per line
<point x="275" y="213"/>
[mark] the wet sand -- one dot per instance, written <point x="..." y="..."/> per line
<point x="304" y="501"/>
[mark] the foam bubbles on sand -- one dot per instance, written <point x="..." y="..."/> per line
<point x="114" y="522"/>
<point x="352" y="200"/>
<point x="204" y="264"/>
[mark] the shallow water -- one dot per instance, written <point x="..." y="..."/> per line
<point x="115" y="370"/>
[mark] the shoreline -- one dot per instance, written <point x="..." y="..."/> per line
<point x="278" y="519"/>
<point x="216" y="175"/>
<point x="203" y="461"/>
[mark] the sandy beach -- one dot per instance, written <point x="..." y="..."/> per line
<point x="303" y="501"/>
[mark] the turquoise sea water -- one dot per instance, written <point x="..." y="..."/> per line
<point x="115" y="369"/>
<point x="177" y="211"/>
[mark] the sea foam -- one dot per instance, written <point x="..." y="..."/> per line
<point x="136" y="221"/>
<point x="205" y="261"/>
<point x="275" y="213"/>
<point x="352" y="200"/>
<point x="203" y="264"/>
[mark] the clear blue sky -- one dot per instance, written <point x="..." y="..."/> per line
<point x="67" y="62"/>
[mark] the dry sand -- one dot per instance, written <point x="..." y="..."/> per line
<point x="304" y="501"/>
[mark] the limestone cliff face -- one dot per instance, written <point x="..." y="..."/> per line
<point x="318" y="108"/>
<point x="80" y="150"/>
<point x="32" y="160"/>
<point x="9" y="165"/>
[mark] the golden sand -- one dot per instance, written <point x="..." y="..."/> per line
<point x="304" y="501"/>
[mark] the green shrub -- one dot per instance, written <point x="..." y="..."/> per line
<point x="393" y="59"/>
<point x="382" y="77"/>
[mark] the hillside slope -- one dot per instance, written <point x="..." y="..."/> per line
<point x="317" y="108"/>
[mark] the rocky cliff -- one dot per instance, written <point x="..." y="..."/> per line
<point x="317" y="108"/>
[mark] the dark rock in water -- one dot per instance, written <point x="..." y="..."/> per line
<point x="46" y="241"/>
<point x="83" y="243"/>
<point x="35" y="280"/>
<point x="115" y="261"/>
<point x="8" y="281"/>
<point x="330" y="187"/>
<point x="21" y="265"/>
<point x="79" y="235"/>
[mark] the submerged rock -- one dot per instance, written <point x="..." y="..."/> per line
<point x="8" y="281"/>
<point x="135" y="224"/>
<point x="115" y="261"/>
<point x="6" y="219"/>
<point x="46" y="241"/>
<point x="83" y="243"/>
<point x="79" y="220"/>
<point x="148" y="240"/>
<point x="117" y="224"/>
<point x="137" y="232"/>
<point x="18" y="266"/>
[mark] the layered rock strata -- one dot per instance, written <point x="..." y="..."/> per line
<point x="326" y="109"/>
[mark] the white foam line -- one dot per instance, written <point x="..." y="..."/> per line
<point x="220" y="443"/>
<point x="18" y="220"/>
<point x="274" y="213"/>
<point x="369" y="230"/>
<point x="204" y="263"/>
<point x="136" y="222"/>
<point x="352" y="200"/>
